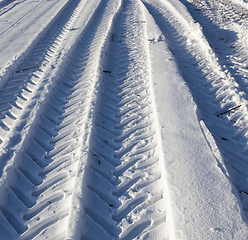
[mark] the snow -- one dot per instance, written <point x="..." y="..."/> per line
<point x="203" y="204"/>
<point x="123" y="119"/>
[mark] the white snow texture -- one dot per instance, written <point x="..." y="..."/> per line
<point x="123" y="119"/>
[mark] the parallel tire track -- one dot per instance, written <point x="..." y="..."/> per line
<point x="124" y="194"/>
<point x="233" y="55"/>
<point x="219" y="92"/>
<point x="36" y="193"/>
<point x="96" y="129"/>
<point x="26" y="81"/>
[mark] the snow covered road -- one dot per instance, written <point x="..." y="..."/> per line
<point x="123" y="119"/>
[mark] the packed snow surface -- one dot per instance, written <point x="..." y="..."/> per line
<point x="124" y="119"/>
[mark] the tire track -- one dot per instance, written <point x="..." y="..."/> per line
<point x="219" y="97"/>
<point x="57" y="23"/>
<point x="123" y="195"/>
<point x="25" y="84"/>
<point x="231" y="52"/>
<point x="233" y="55"/>
<point x="36" y="191"/>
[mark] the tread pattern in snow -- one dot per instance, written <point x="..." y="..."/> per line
<point x="219" y="91"/>
<point x="36" y="191"/>
<point x="233" y="54"/>
<point x="27" y="79"/>
<point x="124" y="188"/>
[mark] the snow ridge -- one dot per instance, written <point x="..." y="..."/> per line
<point x="48" y="160"/>
<point x="22" y="86"/>
<point x="81" y="153"/>
<point x="233" y="54"/>
<point x="121" y="201"/>
<point x="219" y="91"/>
